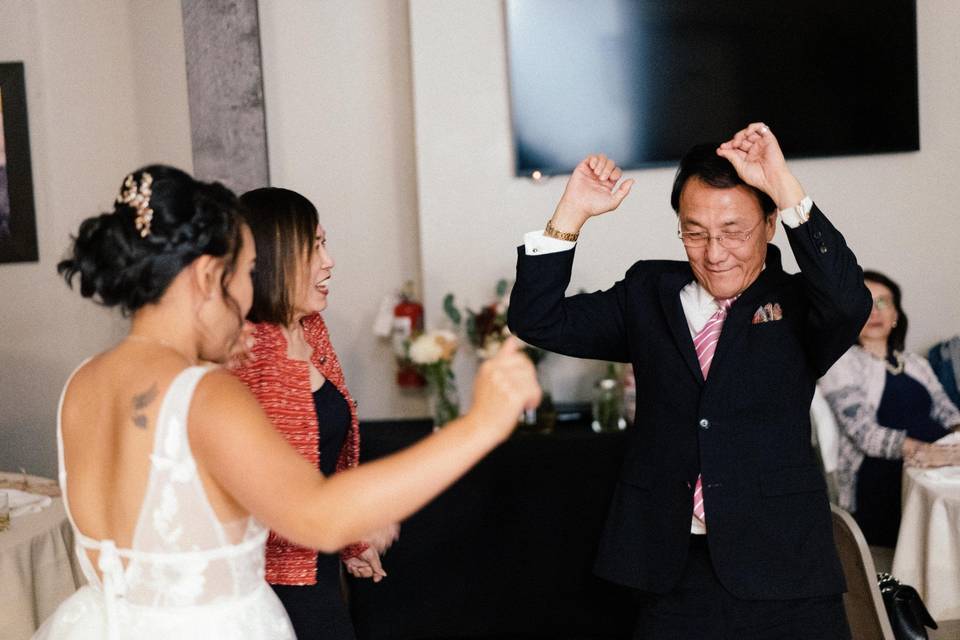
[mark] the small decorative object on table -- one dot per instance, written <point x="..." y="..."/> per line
<point x="608" y="403"/>
<point x="433" y="353"/>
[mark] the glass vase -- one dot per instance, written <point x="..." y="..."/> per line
<point x="608" y="403"/>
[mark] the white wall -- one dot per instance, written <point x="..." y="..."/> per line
<point x="340" y="130"/>
<point x="898" y="211"/>
<point x="106" y="92"/>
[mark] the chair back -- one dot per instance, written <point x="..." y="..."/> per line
<point x="862" y="601"/>
<point x="825" y="437"/>
<point x="826" y="431"/>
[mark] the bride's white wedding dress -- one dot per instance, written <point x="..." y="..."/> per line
<point x="187" y="574"/>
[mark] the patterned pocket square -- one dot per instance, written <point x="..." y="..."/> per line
<point x="768" y="313"/>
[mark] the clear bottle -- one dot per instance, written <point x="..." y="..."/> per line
<point x="608" y="403"/>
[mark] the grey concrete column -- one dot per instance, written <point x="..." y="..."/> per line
<point x="225" y="90"/>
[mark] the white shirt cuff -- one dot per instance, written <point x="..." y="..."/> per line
<point x="796" y="216"/>
<point x="535" y="244"/>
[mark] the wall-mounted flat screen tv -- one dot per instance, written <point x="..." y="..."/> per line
<point x="643" y="80"/>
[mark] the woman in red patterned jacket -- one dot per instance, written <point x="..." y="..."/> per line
<point x="294" y="373"/>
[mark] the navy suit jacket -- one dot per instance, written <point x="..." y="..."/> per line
<point x="746" y="429"/>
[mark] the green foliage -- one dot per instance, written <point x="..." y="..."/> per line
<point x="451" y="309"/>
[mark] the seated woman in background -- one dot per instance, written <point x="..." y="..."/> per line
<point x="168" y="468"/>
<point x="890" y="407"/>
<point x="294" y="373"/>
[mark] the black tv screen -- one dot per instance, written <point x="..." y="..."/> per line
<point x="644" y="80"/>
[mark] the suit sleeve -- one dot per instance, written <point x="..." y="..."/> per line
<point x="839" y="301"/>
<point x="587" y="325"/>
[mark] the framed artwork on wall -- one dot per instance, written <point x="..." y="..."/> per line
<point x="18" y="224"/>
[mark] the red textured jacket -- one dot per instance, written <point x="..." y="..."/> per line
<point x="282" y="386"/>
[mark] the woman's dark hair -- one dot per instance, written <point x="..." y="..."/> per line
<point x="284" y="225"/>
<point x="898" y="334"/>
<point x="128" y="266"/>
<point x="702" y="162"/>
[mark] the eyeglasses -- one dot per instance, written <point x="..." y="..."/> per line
<point x="882" y="303"/>
<point x="727" y="239"/>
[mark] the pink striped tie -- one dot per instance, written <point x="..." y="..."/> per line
<point x="705" y="344"/>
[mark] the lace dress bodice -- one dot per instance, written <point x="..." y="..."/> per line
<point x="186" y="575"/>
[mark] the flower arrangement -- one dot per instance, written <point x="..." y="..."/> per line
<point x="486" y="328"/>
<point x="432" y="353"/>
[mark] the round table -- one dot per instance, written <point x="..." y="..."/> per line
<point x="38" y="569"/>
<point x="928" y="548"/>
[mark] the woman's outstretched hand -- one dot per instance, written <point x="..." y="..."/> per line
<point x="505" y="386"/>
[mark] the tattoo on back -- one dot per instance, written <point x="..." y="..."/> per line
<point x="140" y="402"/>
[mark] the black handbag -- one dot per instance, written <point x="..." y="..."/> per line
<point x="908" y="615"/>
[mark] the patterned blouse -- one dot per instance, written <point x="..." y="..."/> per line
<point x="853" y="387"/>
<point x="282" y="386"/>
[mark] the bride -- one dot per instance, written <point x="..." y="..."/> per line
<point x="171" y="473"/>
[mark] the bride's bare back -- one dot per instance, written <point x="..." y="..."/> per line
<point x="108" y="424"/>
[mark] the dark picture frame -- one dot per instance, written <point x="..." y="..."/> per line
<point x="18" y="222"/>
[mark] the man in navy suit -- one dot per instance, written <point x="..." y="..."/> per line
<point x="720" y="519"/>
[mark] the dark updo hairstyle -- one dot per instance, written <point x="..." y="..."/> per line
<point x="703" y="163"/>
<point x="898" y="334"/>
<point x="120" y="266"/>
<point x="284" y="226"/>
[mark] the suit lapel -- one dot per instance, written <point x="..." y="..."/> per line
<point x="670" y="286"/>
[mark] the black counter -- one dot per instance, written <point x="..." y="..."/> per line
<point x="506" y="551"/>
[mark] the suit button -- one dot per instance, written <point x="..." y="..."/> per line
<point x="817" y="235"/>
<point x="823" y="248"/>
<point x="704" y="423"/>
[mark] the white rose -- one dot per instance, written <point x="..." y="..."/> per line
<point x="425" y="350"/>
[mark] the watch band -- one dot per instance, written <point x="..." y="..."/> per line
<point x="552" y="232"/>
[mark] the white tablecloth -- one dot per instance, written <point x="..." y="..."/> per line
<point x="38" y="569"/>
<point x="928" y="549"/>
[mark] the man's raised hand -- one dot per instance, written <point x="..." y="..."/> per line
<point x="755" y="153"/>
<point x="592" y="190"/>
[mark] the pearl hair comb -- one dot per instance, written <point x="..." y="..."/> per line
<point x="137" y="196"/>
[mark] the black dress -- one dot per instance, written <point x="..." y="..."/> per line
<point x="318" y="611"/>
<point x="905" y="406"/>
